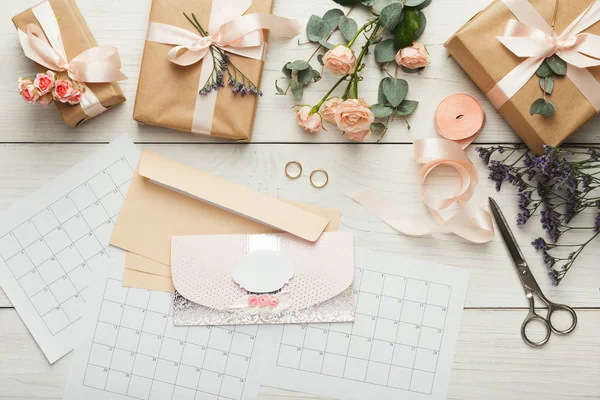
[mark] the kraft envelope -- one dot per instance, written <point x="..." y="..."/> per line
<point x="167" y="198"/>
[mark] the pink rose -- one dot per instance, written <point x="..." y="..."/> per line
<point x="63" y="90"/>
<point x="413" y="57"/>
<point x="354" y="118"/>
<point x="75" y="97"/>
<point x="44" y="82"/>
<point x="46" y="99"/>
<point x="273" y="301"/>
<point x="263" y="300"/>
<point x="340" y="60"/>
<point x="24" y="82"/>
<point x="30" y="93"/>
<point x="328" y="109"/>
<point x="252" y="301"/>
<point x="308" y="121"/>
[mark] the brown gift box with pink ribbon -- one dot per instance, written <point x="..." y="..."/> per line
<point x="76" y="38"/>
<point x="487" y="61"/>
<point x="167" y="93"/>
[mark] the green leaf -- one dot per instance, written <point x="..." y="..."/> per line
<point x="381" y="99"/>
<point x="296" y="87"/>
<point x="385" y="51"/>
<point x="316" y="76"/>
<point x="326" y="44"/>
<point x="381" y="110"/>
<point x="333" y="17"/>
<point x="547" y="84"/>
<point x="287" y="71"/>
<point x="379" y="5"/>
<point x="422" y="25"/>
<point x="544" y="70"/>
<point x="317" y="29"/>
<point x="542" y="107"/>
<point x="348" y="27"/>
<point x="305" y="76"/>
<point x="423" y="4"/>
<point x="320" y="59"/>
<point x="298" y="65"/>
<point x="391" y="16"/>
<point x="367" y="3"/>
<point x="413" y="3"/>
<point x="378" y="128"/>
<point x="406" y="30"/>
<point x="407" y="107"/>
<point x="395" y="90"/>
<point x="536" y="107"/>
<point x="557" y="65"/>
<point x="412" y="70"/>
<point x="279" y="90"/>
<point x="547" y="110"/>
<point x="347" y="2"/>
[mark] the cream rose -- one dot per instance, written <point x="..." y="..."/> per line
<point x="44" y="82"/>
<point x="63" y="90"/>
<point x="328" y="109"/>
<point x="308" y="121"/>
<point x="340" y="60"/>
<point x="354" y="118"/>
<point x="30" y="93"/>
<point x="413" y="57"/>
<point x="23" y="82"/>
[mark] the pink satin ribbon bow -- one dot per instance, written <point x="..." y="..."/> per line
<point x="228" y="29"/>
<point x="45" y="47"/>
<point x="532" y="37"/>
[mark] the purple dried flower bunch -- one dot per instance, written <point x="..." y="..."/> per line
<point x="237" y="80"/>
<point x="560" y="185"/>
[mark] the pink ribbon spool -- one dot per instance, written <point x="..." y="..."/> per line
<point x="460" y="118"/>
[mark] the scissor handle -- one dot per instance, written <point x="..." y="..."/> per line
<point x="552" y="307"/>
<point x="535" y="317"/>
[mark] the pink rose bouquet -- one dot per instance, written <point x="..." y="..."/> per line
<point x="46" y="88"/>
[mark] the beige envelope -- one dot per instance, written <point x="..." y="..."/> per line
<point x="167" y="198"/>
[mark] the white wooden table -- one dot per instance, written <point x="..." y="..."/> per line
<point x="491" y="361"/>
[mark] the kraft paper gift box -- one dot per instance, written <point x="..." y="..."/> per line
<point x="167" y="93"/>
<point x="76" y="38"/>
<point x="486" y="60"/>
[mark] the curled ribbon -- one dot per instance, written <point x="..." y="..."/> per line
<point x="459" y="117"/>
<point x="230" y="30"/>
<point x="532" y="37"/>
<point x="45" y="46"/>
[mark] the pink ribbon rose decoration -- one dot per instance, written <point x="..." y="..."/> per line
<point x="532" y="37"/>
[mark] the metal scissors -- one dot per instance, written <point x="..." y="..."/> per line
<point x="530" y="285"/>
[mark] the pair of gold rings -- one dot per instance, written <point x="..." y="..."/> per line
<point x="296" y="175"/>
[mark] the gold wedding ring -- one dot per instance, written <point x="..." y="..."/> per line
<point x="293" y="176"/>
<point x="322" y="185"/>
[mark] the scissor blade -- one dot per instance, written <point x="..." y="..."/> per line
<point x="509" y="239"/>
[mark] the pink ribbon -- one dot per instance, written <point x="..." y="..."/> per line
<point x="532" y="37"/>
<point x="45" y="47"/>
<point x="230" y="30"/>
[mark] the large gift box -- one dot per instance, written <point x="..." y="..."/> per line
<point x="168" y="93"/>
<point x="488" y="61"/>
<point x="74" y="37"/>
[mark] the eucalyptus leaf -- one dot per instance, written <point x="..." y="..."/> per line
<point x="317" y="29"/>
<point x="423" y="4"/>
<point x="378" y="128"/>
<point x="413" y="3"/>
<point x="379" y="5"/>
<point x="412" y="70"/>
<point x="544" y="70"/>
<point x="407" y="107"/>
<point x="422" y="25"/>
<point x="305" y="76"/>
<point x="279" y="90"/>
<point x="391" y="16"/>
<point x="320" y="59"/>
<point x="296" y="87"/>
<point x="557" y="65"/>
<point x="287" y="71"/>
<point x="547" y="84"/>
<point x="381" y="110"/>
<point x="367" y="3"/>
<point x="381" y="99"/>
<point x="385" y="51"/>
<point x="347" y="2"/>
<point x="394" y="89"/>
<point x="547" y="110"/>
<point x="316" y="76"/>
<point x="326" y="44"/>
<point x="348" y="28"/>
<point x="332" y="17"/>
<point x="542" y="107"/>
<point x="406" y="30"/>
<point x="298" y="65"/>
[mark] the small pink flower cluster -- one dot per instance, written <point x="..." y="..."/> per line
<point x="351" y="116"/>
<point x="263" y="300"/>
<point x="45" y="88"/>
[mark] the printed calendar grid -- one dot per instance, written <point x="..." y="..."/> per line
<point x="153" y="383"/>
<point x="50" y="259"/>
<point x="374" y="363"/>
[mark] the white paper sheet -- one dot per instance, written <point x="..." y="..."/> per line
<point x="131" y="350"/>
<point x="400" y="346"/>
<point x="51" y="242"/>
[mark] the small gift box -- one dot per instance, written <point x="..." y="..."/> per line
<point x="504" y="48"/>
<point x="203" y="62"/>
<point x="75" y="73"/>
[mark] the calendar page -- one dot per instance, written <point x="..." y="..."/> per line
<point x="51" y="242"/>
<point x="400" y="345"/>
<point x="132" y="350"/>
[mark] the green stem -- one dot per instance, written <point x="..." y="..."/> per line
<point x="362" y="28"/>
<point x="316" y="108"/>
